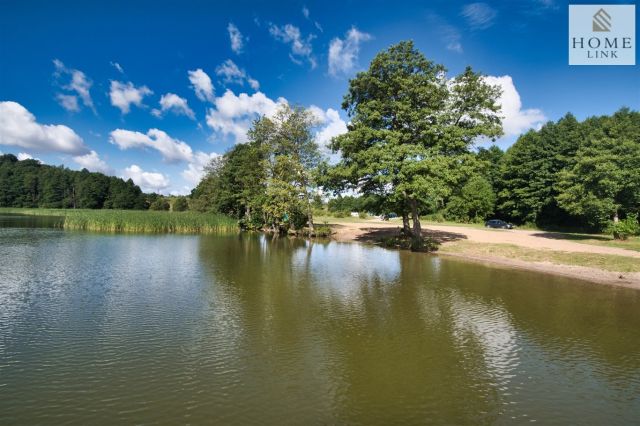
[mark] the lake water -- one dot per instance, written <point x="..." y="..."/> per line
<point x="245" y="329"/>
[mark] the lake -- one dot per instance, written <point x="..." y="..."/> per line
<point x="247" y="329"/>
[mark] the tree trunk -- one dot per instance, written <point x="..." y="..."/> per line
<point x="415" y="216"/>
<point x="406" y="229"/>
<point x="309" y="213"/>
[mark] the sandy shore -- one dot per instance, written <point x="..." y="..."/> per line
<point x="371" y="230"/>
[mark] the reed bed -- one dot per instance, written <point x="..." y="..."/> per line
<point x="136" y="221"/>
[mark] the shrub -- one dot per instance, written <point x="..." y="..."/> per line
<point x="362" y="215"/>
<point x="160" y="204"/>
<point x="625" y="228"/>
<point x="180" y="204"/>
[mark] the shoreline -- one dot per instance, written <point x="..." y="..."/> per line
<point x="449" y="236"/>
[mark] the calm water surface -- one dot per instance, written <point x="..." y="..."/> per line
<point x="99" y="329"/>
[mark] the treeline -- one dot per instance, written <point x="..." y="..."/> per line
<point x="570" y="173"/>
<point x="29" y="183"/>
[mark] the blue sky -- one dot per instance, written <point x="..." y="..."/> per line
<point x="153" y="89"/>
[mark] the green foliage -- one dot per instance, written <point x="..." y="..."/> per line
<point x="569" y="173"/>
<point x="29" y="183"/>
<point x="625" y="228"/>
<point x="269" y="181"/>
<point x="180" y="204"/>
<point x="474" y="203"/>
<point x="603" y="179"/>
<point x="160" y="204"/>
<point x="411" y="130"/>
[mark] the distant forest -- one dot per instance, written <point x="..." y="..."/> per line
<point x="29" y="183"/>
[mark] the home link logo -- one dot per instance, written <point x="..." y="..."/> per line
<point x="602" y="34"/>
<point x="601" y="21"/>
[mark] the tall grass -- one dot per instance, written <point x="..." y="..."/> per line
<point x="135" y="221"/>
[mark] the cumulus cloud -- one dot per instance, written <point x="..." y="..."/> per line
<point x="174" y="103"/>
<point x="236" y="38"/>
<point x="148" y="181"/>
<point x="78" y="84"/>
<point x="343" y="54"/>
<point x="301" y="48"/>
<point x="233" y="114"/>
<point x="18" y="127"/>
<point x="172" y="150"/>
<point x="479" y="16"/>
<point x="231" y="73"/>
<point x="195" y="169"/>
<point x="515" y="119"/>
<point x="92" y="162"/>
<point x="123" y="95"/>
<point x="331" y="125"/>
<point x="201" y="84"/>
<point x="24" y="156"/>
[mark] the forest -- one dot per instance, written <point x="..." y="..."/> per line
<point x="29" y="183"/>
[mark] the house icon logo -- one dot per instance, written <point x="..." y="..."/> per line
<point x="601" y="21"/>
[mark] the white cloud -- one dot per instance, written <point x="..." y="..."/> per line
<point x="202" y="85"/>
<point x="331" y="125"/>
<point x="195" y="170"/>
<point x="343" y="54"/>
<point x="18" y="127"/>
<point x="300" y="47"/>
<point x="305" y="12"/>
<point x="68" y="102"/>
<point x="233" y="114"/>
<point x="174" y="103"/>
<point x="148" y="181"/>
<point x="515" y="119"/>
<point x="93" y="163"/>
<point x="79" y="84"/>
<point x="236" y="38"/>
<point x="117" y="67"/>
<point x="231" y="73"/>
<point x="123" y="95"/>
<point x="479" y="16"/>
<point x="24" y="156"/>
<point x="172" y="150"/>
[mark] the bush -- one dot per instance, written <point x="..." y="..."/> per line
<point x="625" y="228"/>
<point x="341" y="213"/>
<point x="413" y="244"/>
<point x="362" y="215"/>
<point x="160" y="204"/>
<point x="434" y="217"/>
<point x="180" y="204"/>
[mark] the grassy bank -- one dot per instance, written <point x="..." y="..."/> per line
<point x="136" y="221"/>
<point x="605" y="262"/>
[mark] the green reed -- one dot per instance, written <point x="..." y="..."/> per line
<point x="136" y="221"/>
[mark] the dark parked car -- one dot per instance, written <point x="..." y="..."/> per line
<point x="497" y="223"/>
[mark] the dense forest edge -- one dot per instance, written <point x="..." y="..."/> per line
<point x="411" y="150"/>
